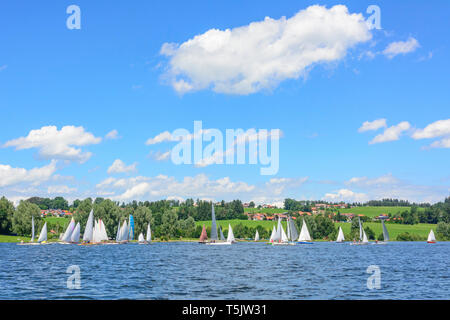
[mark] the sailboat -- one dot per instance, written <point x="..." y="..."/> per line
<point x="141" y="239"/>
<point x="43" y="235"/>
<point x="214" y="237"/>
<point x="230" y="239"/>
<point x="222" y="237"/>
<point x="89" y="229"/>
<point x="32" y="229"/>
<point x="256" y="236"/>
<point x="203" y="236"/>
<point x="75" y="238"/>
<point x="67" y="236"/>
<point x="431" y="237"/>
<point x="340" y="237"/>
<point x="293" y="233"/>
<point x="149" y="234"/>
<point x="123" y="233"/>
<point x="22" y="243"/>
<point x="362" y="235"/>
<point x="304" y="237"/>
<point x="385" y="234"/>
<point x="272" y="235"/>
<point x="280" y="237"/>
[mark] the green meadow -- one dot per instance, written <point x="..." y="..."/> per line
<point x="394" y="229"/>
<point x="4" y="238"/>
<point x="375" y="211"/>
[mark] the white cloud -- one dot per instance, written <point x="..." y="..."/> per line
<point x="166" y="136"/>
<point x="392" y="133"/>
<point x="12" y="176"/>
<point x="260" y="55"/>
<point x="119" y="166"/>
<point x="162" y="137"/>
<point x="199" y="186"/>
<point x="373" y="125"/>
<point x="379" y="181"/>
<point x="401" y="47"/>
<point x="62" y="189"/>
<point x="57" y="144"/>
<point x="345" y="195"/>
<point x="162" y="156"/>
<point x="440" y="128"/>
<point x="436" y="129"/>
<point x="112" y="135"/>
<point x="444" y="143"/>
<point x="389" y="186"/>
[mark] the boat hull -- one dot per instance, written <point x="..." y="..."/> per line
<point x="431" y="241"/>
<point x="304" y="242"/>
<point x="219" y="243"/>
<point x="283" y="243"/>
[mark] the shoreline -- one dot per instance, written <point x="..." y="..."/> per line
<point x="19" y="239"/>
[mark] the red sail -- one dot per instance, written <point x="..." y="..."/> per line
<point x="204" y="235"/>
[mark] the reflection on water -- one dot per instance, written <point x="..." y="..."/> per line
<point x="241" y="271"/>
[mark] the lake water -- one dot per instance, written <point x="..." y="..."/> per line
<point x="241" y="271"/>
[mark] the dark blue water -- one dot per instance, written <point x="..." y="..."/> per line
<point x="242" y="271"/>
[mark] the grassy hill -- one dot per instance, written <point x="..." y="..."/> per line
<point x="375" y="211"/>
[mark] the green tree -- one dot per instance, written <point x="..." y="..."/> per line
<point x="187" y="227"/>
<point x="142" y="216"/>
<point x="21" y="222"/>
<point x="6" y="216"/>
<point x="82" y="212"/>
<point x="170" y="224"/>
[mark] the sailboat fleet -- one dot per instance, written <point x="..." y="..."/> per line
<point x="95" y="233"/>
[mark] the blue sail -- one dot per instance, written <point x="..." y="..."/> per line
<point x="131" y="226"/>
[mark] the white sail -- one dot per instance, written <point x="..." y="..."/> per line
<point x="230" y="237"/>
<point x="118" y="232"/>
<point x="272" y="236"/>
<point x="284" y="237"/>
<point x="32" y="229"/>
<point x="431" y="237"/>
<point x="104" y="234"/>
<point x="75" y="238"/>
<point x="88" y="231"/>
<point x="257" y="236"/>
<point x="68" y="234"/>
<point x="288" y="228"/>
<point x="95" y="234"/>
<point x="360" y="229"/>
<point x="304" y="233"/>
<point x="149" y="233"/>
<point x="124" y="232"/>
<point x="278" y="234"/>
<point x="340" y="237"/>
<point x="365" y="240"/>
<point x="141" y="238"/>
<point x="43" y="234"/>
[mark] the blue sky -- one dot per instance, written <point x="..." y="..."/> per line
<point x="112" y="74"/>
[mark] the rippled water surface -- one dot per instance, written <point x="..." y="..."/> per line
<point x="242" y="271"/>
